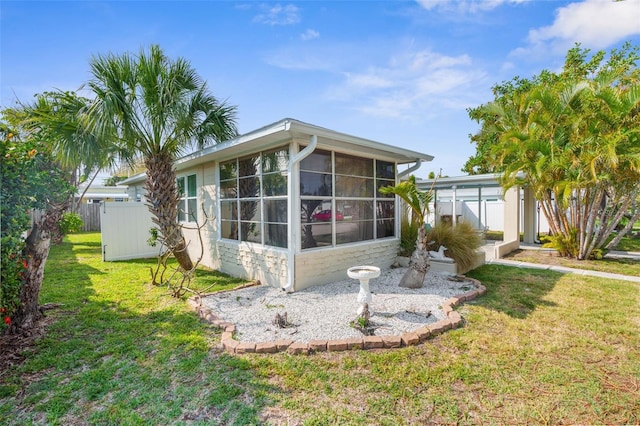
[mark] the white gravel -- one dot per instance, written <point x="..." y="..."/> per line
<point x="325" y="312"/>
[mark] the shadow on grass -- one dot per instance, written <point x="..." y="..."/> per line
<point x="119" y="350"/>
<point x="514" y="291"/>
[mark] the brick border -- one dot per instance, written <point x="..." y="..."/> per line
<point x="232" y="346"/>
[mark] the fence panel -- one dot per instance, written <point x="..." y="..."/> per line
<point x="90" y="214"/>
<point x="125" y="231"/>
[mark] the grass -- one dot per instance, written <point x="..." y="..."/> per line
<point x="616" y="266"/>
<point x="537" y="348"/>
<point x="120" y="351"/>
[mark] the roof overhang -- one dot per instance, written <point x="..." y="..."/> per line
<point x="284" y="131"/>
<point x="459" y="182"/>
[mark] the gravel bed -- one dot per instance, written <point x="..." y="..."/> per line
<point x="326" y="312"/>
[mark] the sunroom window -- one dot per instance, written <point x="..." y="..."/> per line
<point x="188" y="206"/>
<point x="253" y="192"/>
<point x="340" y="202"/>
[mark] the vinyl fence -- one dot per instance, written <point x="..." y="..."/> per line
<point x="125" y="231"/>
<point x="491" y="214"/>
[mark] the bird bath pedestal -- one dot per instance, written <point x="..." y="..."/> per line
<point x="364" y="274"/>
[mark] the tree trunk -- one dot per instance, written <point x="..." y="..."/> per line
<point x="36" y="251"/>
<point x="419" y="264"/>
<point x="613" y="243"/>
<point x="163" y="198"/>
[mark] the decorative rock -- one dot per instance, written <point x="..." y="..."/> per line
<point x="392" y="341"/>
<point x="453" y="301"/>
<point x="438" y="327"/>
<point x="423" y="333"/>
<point x="266" y="348"/>
<point x="226" y="335"/>
<point x="298" y="348"/>
<point x="409" y="339"/>
<point x="318" y="345"/>
<point x="373" y="342"/>
<point x="337" y="345"/>
<point x="469" y="295"/>
<point x="245" y="348"/>
<point x="355" y="343"/>
<point x="455" y="319"/>
<point x="282" y="345"/>
<point x="230" y="346"/>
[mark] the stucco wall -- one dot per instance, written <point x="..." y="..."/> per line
<point x="316" y="267"/>
<point x="254" y="262"/>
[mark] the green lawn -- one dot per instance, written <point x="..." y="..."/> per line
<point x="538" y="348"/>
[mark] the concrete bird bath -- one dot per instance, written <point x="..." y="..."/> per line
<point x="364" y="274"/>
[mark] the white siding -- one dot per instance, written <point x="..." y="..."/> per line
<point x="316" y="267"/>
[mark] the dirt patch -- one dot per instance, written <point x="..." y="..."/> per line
<point x="13" y="347"/>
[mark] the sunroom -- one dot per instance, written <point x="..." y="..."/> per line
<point x="291" y="204"/>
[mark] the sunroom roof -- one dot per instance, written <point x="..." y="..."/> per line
<point x="283" y="131"/>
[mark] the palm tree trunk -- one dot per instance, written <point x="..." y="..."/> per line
<point x="419" y="264"/>
<point x="163" y="198"/>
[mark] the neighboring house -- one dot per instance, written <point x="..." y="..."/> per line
<point x="481" y="200"/>
<point x="270" y="197"/>
<point x="99" y="193"/>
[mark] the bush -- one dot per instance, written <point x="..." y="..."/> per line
<point x="461" y="242"/>
<point x="70" y="223"/>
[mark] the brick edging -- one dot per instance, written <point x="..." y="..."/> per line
<point x="232" y="346"/>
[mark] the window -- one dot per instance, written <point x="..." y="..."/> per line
<point x="188" y="206"/>
<point x="253" y="192"/>
<point x="340" y="202"/>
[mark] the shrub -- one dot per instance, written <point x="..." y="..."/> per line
<point x="461" y="242"/>
<point x="70" y="223"/>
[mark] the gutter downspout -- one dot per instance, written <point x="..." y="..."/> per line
<point x="294" y="221"/>
<point x="410" y="169"/>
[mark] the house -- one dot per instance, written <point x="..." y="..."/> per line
<point x="95" y="194"/>
<point x="481" y="200"/>
<point x="291" y="204"/>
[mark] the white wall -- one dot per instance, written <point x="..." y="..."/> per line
<point x="125" y="231"/>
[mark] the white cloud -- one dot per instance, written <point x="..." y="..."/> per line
<point x="309" y="35"/>
<point x="411" y="85"/>
<point x="465" y="6"/>
<point x="278" y="14"/>
<point x="596" y="24"/>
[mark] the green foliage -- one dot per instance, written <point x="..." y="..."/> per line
<point x="573" y="137"/>
<point x="70" y="223"/>
<point x="113" y="180"/>
<point x="461" y="242"/>
<point x="566" y="244"/>
<point x="408" y="235"/>
<point x="29" y="181"/>
<point x="418" y="201"/>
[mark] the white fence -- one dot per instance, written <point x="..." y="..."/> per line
<point x="491" y="214"/>
<point x="125" y="231"/>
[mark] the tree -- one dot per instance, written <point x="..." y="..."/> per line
<point x="156" y="108"/>
<point x="418" y="201"/>
<point x="30" y="179"/>
<point x="55" y="117"/>
<point x="576" y="137"/>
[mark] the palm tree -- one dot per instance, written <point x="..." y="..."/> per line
<point x="418" y="201"/>
<point x="157" y="108"/>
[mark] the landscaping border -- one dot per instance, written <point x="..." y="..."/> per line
<point x="232" y="346"/>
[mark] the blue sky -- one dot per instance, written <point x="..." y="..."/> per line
<point x="398" y="72"/>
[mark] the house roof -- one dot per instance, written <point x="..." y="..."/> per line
<point x="468" y="181"/>
<point x="283" y="131"/>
